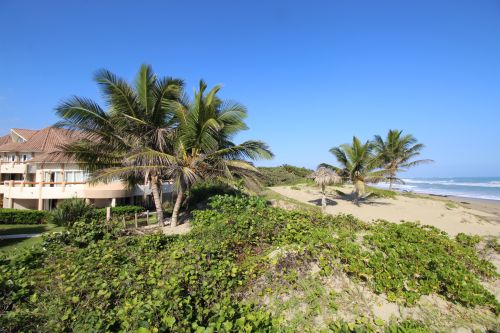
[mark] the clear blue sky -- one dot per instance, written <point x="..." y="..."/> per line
<point x="311" y="73"/>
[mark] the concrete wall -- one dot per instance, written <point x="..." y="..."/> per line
<point x="100" y="203"/>
<point x="25" y="204"/>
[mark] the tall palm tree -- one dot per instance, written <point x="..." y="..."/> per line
<point x="397" y="153"/>
<point x="136" y="117"/>
<point x="358" y="164"/>
<point x="204" y="148"/>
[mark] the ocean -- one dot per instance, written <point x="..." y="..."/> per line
<point x="468" y="187"/>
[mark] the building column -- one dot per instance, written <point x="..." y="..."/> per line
<point x="10" y="201"/>
<point x="39" y="180"/>
<point x="113" y="202"/>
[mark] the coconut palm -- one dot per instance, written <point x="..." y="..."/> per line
<point x="358" y="164"/>
<point x="204" y="148"/>
<point x="136" y="117"/>
<point x="397" y="153"/>
<point x="324" y="176"/>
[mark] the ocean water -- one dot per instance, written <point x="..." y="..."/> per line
<point x="468" y="187"/>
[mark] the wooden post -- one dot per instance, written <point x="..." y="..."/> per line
<point x="124" y="223"/>
<point x="108" y="214"/>
<point x="147" y="217"/>
<point x="135" y="220"/>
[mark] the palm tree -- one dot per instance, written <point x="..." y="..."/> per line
<point x="324" y="176"/>
<point x="204" y="148"/>
<point x="137" y="117"/>
<point x="397" y="153"/>
<point x="358" y="164"/>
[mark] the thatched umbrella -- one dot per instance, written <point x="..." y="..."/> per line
<point x="324" y="176"/>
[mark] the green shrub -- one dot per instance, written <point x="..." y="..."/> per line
<point x="381" y="193"/>
<point x="493" y="244"/>
<point x="468" y="240"/>
<point x="284" y="175"/>
<point x="98" y="279"/>
<point x="82" y="233"/>
<point x="406" y="326"/>
<point x="202" y="191"/>
<point x="406" y="261"/>
<point x="118" y="212"/>
<point x="21" y="216"/>
<point x="298" y="171"/>
<point x="451" y="205"/>
<point x="69" y="211"/>
<point x="168" y="208"/>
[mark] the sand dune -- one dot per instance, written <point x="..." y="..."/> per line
<point x="429" y="211"/>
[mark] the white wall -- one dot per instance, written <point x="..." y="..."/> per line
<point x="25" y="204"/>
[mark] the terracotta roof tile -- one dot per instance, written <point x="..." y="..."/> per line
<point x="26" y="134"/>
<point x="5" y="139"/>
<point x="45" y="140"/>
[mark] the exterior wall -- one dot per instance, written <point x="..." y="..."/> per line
<point x="25" y="204"/>
<point x="31" y="186"/>
<point x="100" y="203"/>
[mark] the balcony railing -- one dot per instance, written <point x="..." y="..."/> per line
<point x="15" y="167"/>
<point x="61" y="190"/>
<point x="20" y="183"/>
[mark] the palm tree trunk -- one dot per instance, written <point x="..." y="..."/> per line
<point x="391" y="180"/>
<point x="157" y="200"/>
<point x="177" y="207"/>
<point x="359" y="186"/>
<point x="323" y="198"/>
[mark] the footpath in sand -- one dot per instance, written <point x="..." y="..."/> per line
<point x="435" y="212"/>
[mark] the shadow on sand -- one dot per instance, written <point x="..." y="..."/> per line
<point x="329" y="202"/>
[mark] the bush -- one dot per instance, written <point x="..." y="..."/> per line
<point x="468" y="240"/>
<point x="21" y="216"/>
<point x="202" y="191"/>
<point x="168" y="208"/>
<point x="375" y="192"/>
<point x="83" y="233"/>
<point x="298" y="171"/>
<point x="284" y="175"/>
<point x="118" y="212"/>
<point x="69" y="211"/>
<point x="97" y="279"/>
<point x="407" y="261"/>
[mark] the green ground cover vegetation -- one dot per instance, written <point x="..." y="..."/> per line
<point x="94" y="277"/>
<point x="284" y="175"/>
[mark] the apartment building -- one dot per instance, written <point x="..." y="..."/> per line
<point x="33" y="177"/>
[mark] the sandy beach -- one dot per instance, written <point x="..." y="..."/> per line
<point x="451" y="214"/>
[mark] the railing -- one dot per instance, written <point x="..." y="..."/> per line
<point x="54" y="190"/>
<point x="41" y="190"/>
<point x="15" y="183"/>
<point x="15" y="167"/>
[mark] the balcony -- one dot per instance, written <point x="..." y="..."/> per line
<point x="16" y="167"/>
<point x="66" y="190"/>
<point x="42" y="190"/>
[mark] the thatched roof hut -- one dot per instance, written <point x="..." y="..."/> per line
<point x="324" y="176"/>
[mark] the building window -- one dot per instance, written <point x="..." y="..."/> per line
<point x="25" y="157"/>
<point x="75" y="176"/>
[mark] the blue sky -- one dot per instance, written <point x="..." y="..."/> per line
<point x="312" y="73"/>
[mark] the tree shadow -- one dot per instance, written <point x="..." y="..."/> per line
<point x="24" y="229"/>
<point x="11" y="241"/>
<point x="364" y="200"/>
<point x="329" y="202"/>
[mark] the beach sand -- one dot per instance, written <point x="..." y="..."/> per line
<point x="470" y="216"/>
